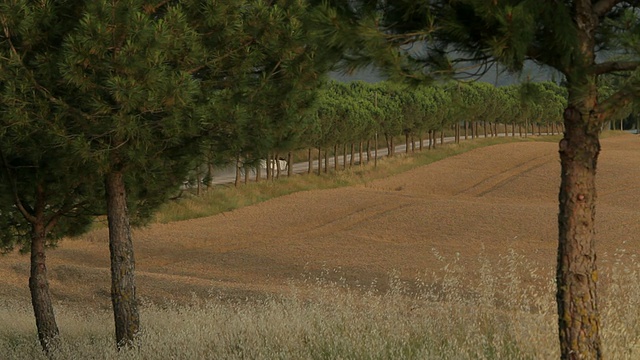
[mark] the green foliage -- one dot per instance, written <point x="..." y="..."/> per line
<point x="41" y="185"/>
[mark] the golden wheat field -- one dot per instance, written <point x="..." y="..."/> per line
<point x="480" y="225"/>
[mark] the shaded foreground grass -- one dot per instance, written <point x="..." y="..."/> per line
<point x="223" y="198"/>
<point x="502" y="315"/>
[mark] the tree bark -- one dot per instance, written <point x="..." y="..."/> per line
<point x="123" y="287"/>
<point x="326" y="161"/>
<point x="289" y="164"/>
<point x="319" y="161"/>
<point x="344" y="156"/>
<point x="335" y="157"/>
<point x="406" y="143"/>
<point x="375" y="152"/>
<point x="352" y="156"/>
<point x="578" y="317"/>
<point x="310" y="169"/>
<point x="39" y="287"/>
<point x="238" y="174"/>
<point x="466" y="130"/>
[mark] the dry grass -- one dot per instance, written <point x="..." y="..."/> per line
<point x="419" y="268"/>
<point x="506" y="315"/>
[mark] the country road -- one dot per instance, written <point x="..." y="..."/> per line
<point x="228" y="175"/>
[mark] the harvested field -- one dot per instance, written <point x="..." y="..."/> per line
<point x="478" y="205"/>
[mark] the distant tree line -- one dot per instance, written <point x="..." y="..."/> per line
<point x="360" y="116"/>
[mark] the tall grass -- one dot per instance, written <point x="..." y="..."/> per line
<point x="505" y="311"/>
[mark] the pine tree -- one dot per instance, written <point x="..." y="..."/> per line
<point x="45" y="194"/>
<point x="575" y="38"/>
<point x="128" y="68"/>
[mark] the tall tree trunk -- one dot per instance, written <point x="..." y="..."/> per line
<point x="513" y="129"/>
<point x="319" y="161"/>
<point x="238" y="173"/>
<point x="406" y="143"/>
<point x="375" y="152"/>
<point x="123" y="286"/>
<point x="326" y="161"/>
<point x="289" y="164"/>
<point x="39" y="288"/>
<point x="209" y="174"/>
<point x="360" y="159"/>
<point x="368" y="150"/>
<point x="442" y="136"/>
<point x="578" y="316"/>
<point x="344" y="156"/>
<point x="484" y="125"/>
<point x="466" y="130"/>
<point x="335" y="157"/>
<point x="352" y="159"/>
<point x="432" y="144"/>
<point x="310" y="169"/>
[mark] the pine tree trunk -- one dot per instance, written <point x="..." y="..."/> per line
<point x="326" y="161"/>
<point x="352" y="155"/>
<point x="466" y="130"/>
<point x="335" y="157"/>
<point x="123" y="287"/>
<point x="375" y="152"/>
<point x="360" y="159"/>
<point x="289" y="164"/>
<point x="238" y="175"/>
<point x="310" y="169"/>
<point x="578" y="317"/>
<point x="368" y="151"/>
<point x="406" y="143"/>
<point x="513" y="129"/>
<point x="344" y="156"/>
<point x="210" y="174"/>
<point x="442" y="136"/>
<point x="484" y="125"/>
<point x="319" y="161"/>
<point x="40" y="293"/>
